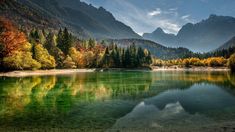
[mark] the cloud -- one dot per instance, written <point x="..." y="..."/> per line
<point x="173" y="9"/>
<point x="144" y="20"/>
<point x="185" y="17"/>
<point x="155" y="12"/>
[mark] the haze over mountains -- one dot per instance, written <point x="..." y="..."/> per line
<point x="204" y="36"/>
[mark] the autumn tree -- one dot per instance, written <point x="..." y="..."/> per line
<point x="42" y="56"/>
<point x="15" y="49"/>
<point x="68" y="63"/>
<point x="232" y="62"/>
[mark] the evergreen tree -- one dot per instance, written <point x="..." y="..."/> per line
<point x="91" y="43"/>
<point x="127" y="59"/>
<point x="106" y="58"/>
<point x="140" y="56"/>
<point x="53" y="50"/>
<point x="64" y="41"/>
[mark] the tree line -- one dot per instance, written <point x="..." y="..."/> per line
<point x="41" y="49"/>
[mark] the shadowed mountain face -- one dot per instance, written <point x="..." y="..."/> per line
<point x="227" y="45"/>
<point x="78" y="16"/>
<point x="204" y="36"/>
<point x="161" y="37"/>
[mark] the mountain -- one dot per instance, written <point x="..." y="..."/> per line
<point x="204" y="36"/>
<point x="76" y="15"/>
<point x="161" y="37"/>
<point x="228" y="44"/>
<point x="156" y="49"/>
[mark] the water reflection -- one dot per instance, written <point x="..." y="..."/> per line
<point x="101" y="101"/>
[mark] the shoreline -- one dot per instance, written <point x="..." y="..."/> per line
<point x="176" y="68"/>
<point x="73" y="71"/>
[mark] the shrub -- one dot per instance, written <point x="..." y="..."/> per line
<point x="232" y="62"/>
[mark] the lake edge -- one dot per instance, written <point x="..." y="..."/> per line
<point x="26" y="73"/>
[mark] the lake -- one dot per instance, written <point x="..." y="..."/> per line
<point x="119" y="101"/>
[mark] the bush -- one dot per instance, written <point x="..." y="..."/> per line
<point x="217" y="61"/>
<point x="232" y="62"/>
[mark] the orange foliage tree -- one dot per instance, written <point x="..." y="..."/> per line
<point x="11" y="39"/>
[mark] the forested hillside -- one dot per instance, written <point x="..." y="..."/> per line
<point x="156" y="49"/>
<point x="85" y="21"/>
<point x="44" y="49"/>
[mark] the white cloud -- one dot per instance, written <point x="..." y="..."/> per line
<point x="185" y="17"/>
<point x="145" y="20"/>
<point x="173" y="9"/>
<point x="155" y="12"/>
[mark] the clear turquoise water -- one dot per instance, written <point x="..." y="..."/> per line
<point x="119" y="101"/>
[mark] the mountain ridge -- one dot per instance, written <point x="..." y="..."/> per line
<point x="81" y="18"/>
<point x="203" y="36"/>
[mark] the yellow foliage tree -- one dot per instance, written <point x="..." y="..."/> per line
<point x="42" y="56"/>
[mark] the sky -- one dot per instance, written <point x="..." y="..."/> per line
<point x="147" y="15"/>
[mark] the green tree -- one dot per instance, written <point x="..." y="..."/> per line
<point x="53" y="50"/>
<point x="106" y="58"/>
<point x="91" y="43"/>
<point x="140" y="56"/>
<point x="64" y="41"/>
<point x="127" y="59"/>
<point x="148" y="58"/>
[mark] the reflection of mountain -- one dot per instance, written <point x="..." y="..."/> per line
<point x="149" y="117"/>
<point x="192" y="109"/>
<point x="97" y="100"/>
<point x="198" y="98"/>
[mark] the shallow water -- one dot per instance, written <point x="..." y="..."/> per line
<point x="119" y="101"/>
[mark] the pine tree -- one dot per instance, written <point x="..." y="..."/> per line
<point x="127" y="59"/>
<point x="53" y="50"/>
<point x="64" y="41"/>
<point x="140" y="56"/>
<point x="106" y="58"/>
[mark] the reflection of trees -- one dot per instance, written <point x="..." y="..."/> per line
<point x="15" y="94"/>
<point x="45" y="101"/>
<point x="88" y="97"/>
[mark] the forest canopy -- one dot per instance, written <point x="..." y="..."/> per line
<point x="41" y="49"/>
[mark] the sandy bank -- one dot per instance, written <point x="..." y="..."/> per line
<point x="72" y="71"/>
<point x="45" y="72"/>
